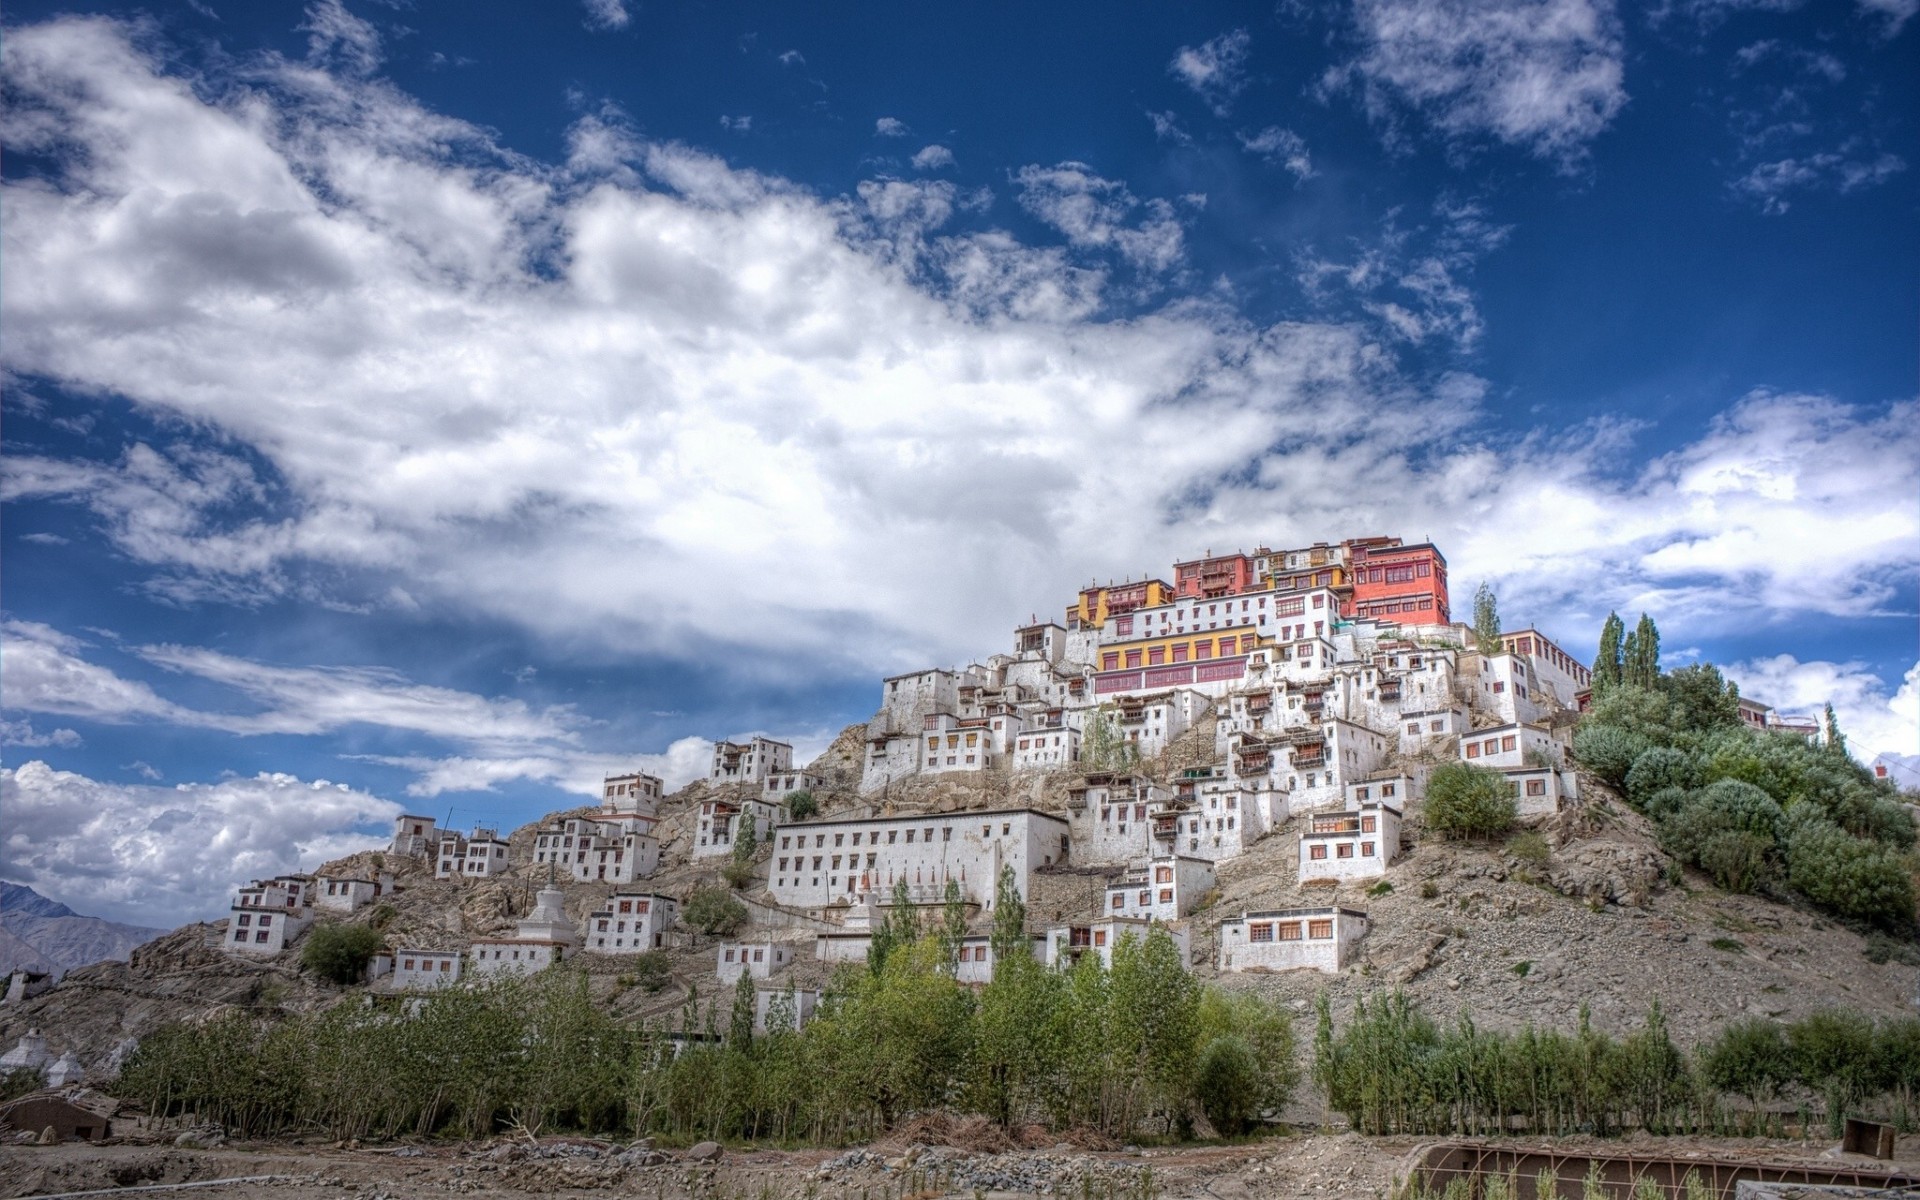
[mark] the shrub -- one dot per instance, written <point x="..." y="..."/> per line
<point x="1750" y="1058"/>
<point x="1882" y="949"/>
<point x="340" y="952"/>
<point x="1465" y="801"/>
<point x="1738" y="861"/>
<point x="1528" y="846"/>
<point x="1609" y="751"/>
<point x="714" y="911"/>
<point x="21" y="1081"/>
<point x="1665" y="802"/>
<point x="1848" y="876"/>
<point x="1227" y="1085"/>
<point x="1380" y="889"/>
<point x="1727" y="805"/>
<point x="652" y="971"/>
<point x="802" y="805"/>
<point x="1657" y="769"/>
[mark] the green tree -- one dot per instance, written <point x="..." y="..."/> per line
<point x="1227" y="1086"/>
<point x="1848" y="876"/>
<point x="1836" y="741"/>
<point x="1641" y="656"/>
<point x="1018" y="1043"/>
<point x="340" y="952"/>
<point x="740" y="1021"/>
<point x="714" y="911"/>
<point x="1486" y="620"/>
<point x="802" y="805"/>
<point x="953" y="925"/>
<point x="1009" y="919"/>
<point x="1609" y="751"/>
<point x="899" y="927"/>
<point x="1749" y="1058"/>
<point x="739" y="872"/>
<point x="1607" y="663"/>
<point x="1702" y="698"/>
<point x="1465" y="801"/>
<point x="1833" y="1052"/>
<point x="1103" y="745"/>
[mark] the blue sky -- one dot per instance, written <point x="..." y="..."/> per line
<point x="437" y="406"/>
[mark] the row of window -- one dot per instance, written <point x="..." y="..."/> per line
<point x="893" y="835"/>
<point x="1288" y="931"/>
<point x="1318" y="851"/>
<point x="1492" y="746"/>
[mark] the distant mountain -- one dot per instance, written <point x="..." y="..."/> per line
<point x="39" y="934"/>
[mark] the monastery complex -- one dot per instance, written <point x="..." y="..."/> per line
<point x="1183" y="720"/>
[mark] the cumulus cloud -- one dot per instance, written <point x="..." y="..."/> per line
<point x="931" y="158"/>
<point x="169" y="855"/>
<point x="1283" y="146"/>
<point x="1092" y="211"/>
<point x="1876" y="719"/>
<point x="1547" y="77"/>
<point x="890" y="127"/>
<point x="607" y="14"/>
<point x="649" y="404"/>
<point x="22" y="733"/>
<point x="682" y="762"/>
<point x="1215" y="69"/>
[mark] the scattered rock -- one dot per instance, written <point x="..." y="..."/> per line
<point x="705" y="1152"/>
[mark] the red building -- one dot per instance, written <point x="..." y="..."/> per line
<point x="1403" y="584"/>
<point x="1212" y="578"/>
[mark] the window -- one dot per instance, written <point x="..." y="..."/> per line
<point x="1507" y="743"/>
<point x="1473" y="749"/>
<point x="1288" y="931"/>
<point x="1366" y="849"/>
<point x="1260" y="931"/>
<point x="1203" y="649"/>
<point x="1110" y="661"/>
<point x="1180" y="653"/>
<point x="1367" y="824"/>
<point x="1099" y="937"/>
<point x="1317" y="851"/>
<point x="1536" y="787"/>
<point x="1119" y="900"/>
<point x="1133" y="658"/>
<point x="1344" y="850"/>
<point x="1319" y="930"/>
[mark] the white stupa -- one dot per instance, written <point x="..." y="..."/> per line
<point x="548" y="921"/>
<point x="29" y="1052"/>
<point x="67" y="1070"/>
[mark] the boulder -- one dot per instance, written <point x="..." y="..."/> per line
<point x="705" y="1152"/>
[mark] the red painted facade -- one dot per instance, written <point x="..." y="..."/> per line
<point x="1403" y="584"/>
<point x="1211" y="578"/>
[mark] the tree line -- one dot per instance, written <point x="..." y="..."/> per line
<point x="1393" y="1069"/>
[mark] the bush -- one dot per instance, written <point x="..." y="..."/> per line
<point x="652" y="971"/>
<point x="802" y="805"/>
<point x="1853" y="878"/>
<point x="1227" y="1085"/>
<point x="1728" y="829"/>
<point x="21" y="1081"/>
<point x="1750" y="1058"/>
<point x="1529" y="846"/>
<point x="1882" y="949"/>
<point x="340" y="952"/>
<point x="1657" y="769"/>
<point x="1609" y="751"/>
<point x="1738" y="861"/>
<point x="1465" y="801"/>
<point x="714" y="911"/>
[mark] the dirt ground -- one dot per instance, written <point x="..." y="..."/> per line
<point x="1279" y="1168"/>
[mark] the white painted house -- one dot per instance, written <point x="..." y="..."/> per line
<point x="1359" y="843"/>
<point x="631" y="922"/>
<point x="418" y="970"/>
<point x="721" y="820"/>
<point x="750" y="761"/>
<point x="414" y="837"/>
<point x="268" y="914"/>
<point x="819" y="863"/>
<point x="1320" y="939"/>
<point x="1162" y="889"/>
<point x="786" y="1008"/>
<point x="349" y="895"/>
<point x="542" y="938"/>
<point x="1068" y="942"/>
<point x="758" y="959"/>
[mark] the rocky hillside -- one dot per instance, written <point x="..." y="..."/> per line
<point x="45" y="934"/>
<point x="1583" y="909"/>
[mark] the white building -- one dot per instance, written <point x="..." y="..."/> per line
<point x="1066" y="943"/>
<point x="1321" y="939"/>
<point x="758" y="959"/>
<point x="750" y="761"/>
<point x="1356" y="844"/>
<point x="1046" y="744"/>
<point x="349" y="895"/>
<point x="1109" y="814"/>
<point x="818" y="863"/>
<point x="1393" y="790"/>
<point x="420" y="969"/>
<point x="414" y="837"/>
<point x="1512" y="745"/>
<point x="721" y="821"/>
<point x="270" y="913"/>
<point x="1540" y="791"/>
<point x="542" y="938"/>
<point x="481" y="856"/>
<point x="1553" y="671"/>
<point x="781" y="784"/>
<point x="603" y="849"/>
<point x="958" y="744"/>
<point x="633" y="794"/>
<point x="1163" y="889"/>
<point x="631" y="922"/>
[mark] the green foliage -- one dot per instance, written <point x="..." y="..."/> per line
<point x="1382" y="888"/>
<point x="1702" y="699"/>
<point x="738" y="871"/>
<point x="1530" y="847"/>
<point x="1880" y="948"/>
<point x="1836" y="741"/>
<point x="1486" y="620"/>
<point x="340" y="953"/>
<point x="1609" y="751"/>
<point x="20" y="1081"/>
<point x="1729" y="945"/>
<point x="900" y="927"/>
<point x="1104" y="746"/>
<point x="953" y="925"/>
<point x="1657" y="769"/>
<point x="1853" y="878"/>
<point x="1833" y="1055"/>
<point x="1009" y="918"/>
<point x="714" y="911"/>
<point x="1640" y="657"/>
<point x="1749" y="1058"/>
<point x="652" y="971"/>
<point x="801" y="805"/>
<point x="1465" y="801"/>
<point x="1226" y="1085"/>
<point x="1728" y="828"/>
<point x="1606" y="664"/>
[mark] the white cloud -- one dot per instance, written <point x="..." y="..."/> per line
<point x="792" y="58"/>
<point x="1771" y="183"/>
<point x="1412" y="281"/>
<point x="22" y="733"/>
<point x="1166" y="127"/>
<point x="1544" y="75"/>
<point x="1093" y="211"/>
<point x="608" y="14"/>
<point x="46" y="673"/>
<point x="1874" y="719"/>
<point x="684" y="761"/>
<point x="335" y="37"/>
<point x="1283" y="146"/>
<point x="736" y="124"/>
<point x="1216" y="69"/>
<point x="173" y="855"/>
<point x="931" y="158"/>
<point x="648" y="404"/>
<point x="890" y="127"/>
<point x="1893" y="13"/>
<point x="168" y="855"/>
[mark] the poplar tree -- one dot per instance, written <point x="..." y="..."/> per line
<point x="740" y="1028"/>
<point x="1486" y="620"/>
<point x="1836" y="741"/>
<point x="1606" y="664"/>
<point x="1009" y="919"/>
<point x="1643" y="654"/>
<point x="953" y="926"/>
